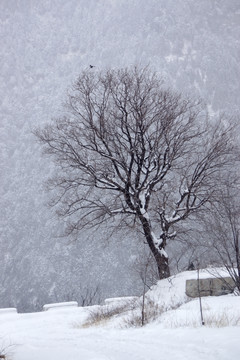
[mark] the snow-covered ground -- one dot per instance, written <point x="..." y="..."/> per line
<point x="58" y="334"/>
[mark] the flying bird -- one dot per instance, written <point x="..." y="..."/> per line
<point x="91" y="66"/>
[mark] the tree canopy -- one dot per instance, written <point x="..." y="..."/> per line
<point x="129" y="148"/>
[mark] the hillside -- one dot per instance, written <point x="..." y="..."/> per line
<point x="176" y="332"/>
<point x="195" y="46"/>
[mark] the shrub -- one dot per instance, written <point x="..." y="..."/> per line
<point x="211" y="320"/>
<point x="102" y="314"/>
<point x="139" y="316"/>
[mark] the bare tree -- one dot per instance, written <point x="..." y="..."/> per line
<point x="132" y="150"/>
<point x="84" y="296"/>
<point x="145" y="267"/>
<point x="223" y="229"/>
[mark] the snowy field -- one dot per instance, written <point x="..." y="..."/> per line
<point x="59" y="334"/>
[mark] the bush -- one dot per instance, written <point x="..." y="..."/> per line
<point x="102" y="314"/>
<point x="5" y="352"/>
<point x="210" y="320"/>
<point x="139" y="316"/>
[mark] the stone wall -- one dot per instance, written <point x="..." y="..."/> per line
<point x="210" y="287"/>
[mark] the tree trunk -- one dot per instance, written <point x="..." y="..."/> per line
<point x="163" y="266"/>
<point x="160" y="258"/>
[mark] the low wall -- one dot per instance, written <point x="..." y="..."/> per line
<point x="209" y="287"/>
<point x="60" y="305"/>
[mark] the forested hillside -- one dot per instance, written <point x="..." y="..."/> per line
<point x="45" y="44"/>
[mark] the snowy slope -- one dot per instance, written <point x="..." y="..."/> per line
<point x="44" y="45"/>
<point x="52" y="337"/>
<point x="57" y="334"/>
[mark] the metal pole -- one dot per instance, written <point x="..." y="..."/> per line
<point x="199" y="296"/>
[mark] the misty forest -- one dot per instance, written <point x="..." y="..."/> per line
<point x="119" y="145"/>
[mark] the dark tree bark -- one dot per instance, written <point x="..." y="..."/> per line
<point x="128" y="147"/>
<point x="159" y="252"/>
